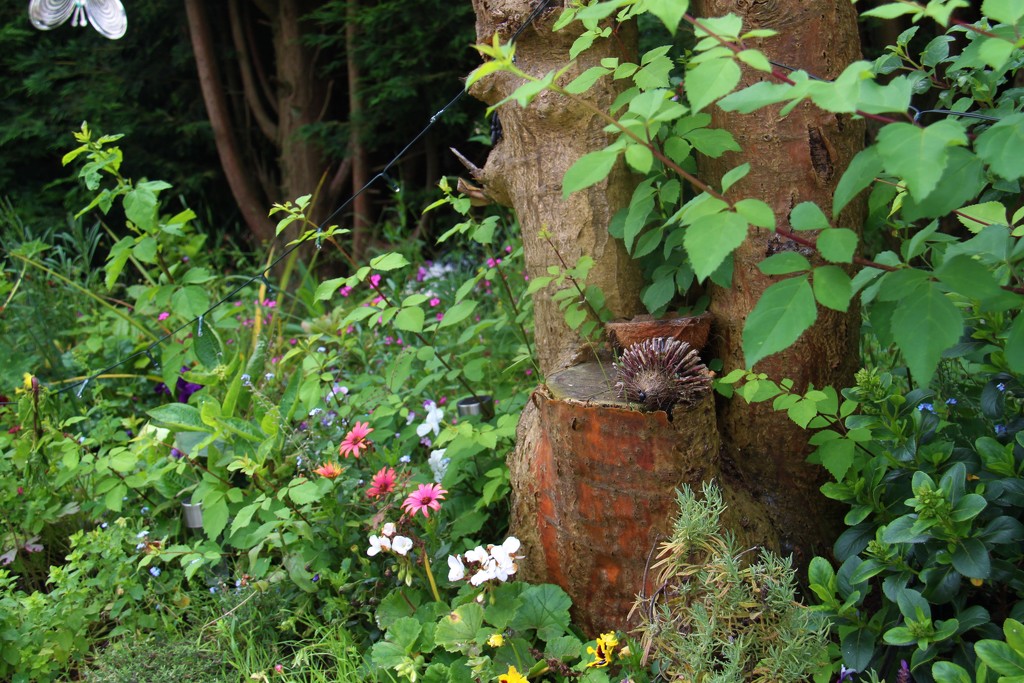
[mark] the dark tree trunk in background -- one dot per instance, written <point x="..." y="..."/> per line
<point x="793" y="159"/>
<point x="356" y="147"/>
<point x="243" y="185"/>
<point x="271" y="110"/>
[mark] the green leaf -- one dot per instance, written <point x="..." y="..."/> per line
<point x="639" y="158"/>
<point x="711" y="238"/>
<point x="971" y="559"/>
<point x="837" y="456"/>
<point x="712" y="142"/>
<point x="546" y="609"/>
<point x="709" y="80"/>
<point x="207" y="347"/>
<point x="734" y="176"/>
<point x="1003" y="11"/>
<point x="948" y="672"/>
<point x="669" y="11"/>
<point x="1015" y="345"/>
<point x="890" y="11"/>
<point x="457" y="313"/>
<point x="589" y="169"/>
<point x="179" y="416"/>
<point x="457" y="630"/>
<point x="781" y="315"/>
<point x="306" y="492"/>
<point x="924" y="324"/>
<point x="837" y="245"/>
<point x="327" y="288"/>
<point x="410" y="319"/>
<point x="1000" y="657"/>
<point x="979" y="216"/>
<point x="807" y="216"/>
<point x="1000" y="146"/>
<point x="1014" y="632"/>
<point x="190" y="301"/>
<point x="756" y="212"/>
<point x="784" y="263"/>
<point x="968" y="276"/>
<point x="918" y="155"/>
<point x="832" y="287"/>
<point x="215" y="513"/>
<point x="862" y="171"/>
<point x="586" y="79"/>
<point x="660" y="292"/>
<point x="389" y="261"/>
<point x="116" y="259"/>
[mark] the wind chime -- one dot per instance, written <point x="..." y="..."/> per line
<point x="106" y="16"/>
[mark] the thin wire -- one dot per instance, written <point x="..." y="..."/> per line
<point x="262" y="275"/>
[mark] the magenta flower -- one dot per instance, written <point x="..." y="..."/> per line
<point x="163" y="316"/>
<point x="382" y="483"/>
<point x="435" y="301"/>
<point x="424" y="499"/>
<point x="355" y="441"/>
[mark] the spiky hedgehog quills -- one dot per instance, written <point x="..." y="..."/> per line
<point x="661" y="372"/>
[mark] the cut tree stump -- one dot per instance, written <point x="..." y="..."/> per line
<point x="596" y="492"/>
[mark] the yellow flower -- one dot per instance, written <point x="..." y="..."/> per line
<point x="602" y="650"/>
<point x="496" y="640"/>
<point x="26" y="380"/>
<point x="512" y="676"/>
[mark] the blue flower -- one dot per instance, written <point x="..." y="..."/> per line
<point x="1000" y="430"/>
<point x="926" y="406"/>
<point x="213" y="590"/>
<point x="155" y="571"/>
<point x="142" y="534"/>
<point x="950" y="401"/>
<point x="1001" y="387"/>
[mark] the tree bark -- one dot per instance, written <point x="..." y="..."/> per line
<point x="243" y="188"/>
<point x="525" y="169"/>
<point x="356" y="148"/>
<point x="793" y="159"/>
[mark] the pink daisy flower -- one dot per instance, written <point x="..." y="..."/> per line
<point x="329" y="470"/>
<point x="382" y="483"/>
<point x="355" y="441"/>
<point x="424" y="499"/>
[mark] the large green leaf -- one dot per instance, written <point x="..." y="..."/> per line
<point x="669" y="11"/>
<point x="924" y="324"/>
<point x="711" y="79"/>
<point x="832" y="287"/>
<point x="546" y="609"/>
<point x="1015" y="345"/>
<point x="410" y="319"/>
<point x="781" y="315"/>
<point x="459" y="628"/>
<point x="711" y="238"/>
<point x="1000" y="146"/>
<point x="589" y="169"/>
<point x="918" y="155"/>
<point x="1000" y="657"/>
<point x="179" y="416"/>
<point x="861" y="172"/>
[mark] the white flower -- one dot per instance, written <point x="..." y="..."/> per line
<point x="438" y="464"/>
<point x="456" y="569"/>
<point x="504" y="554"/>
<point x="401" y="545"/>
<point x="432" y="423"/>
<point x="389" y="529"/>
<point x="478" y="555"/>
<point x="485" y="574"/>
<point x="377" y="544"/>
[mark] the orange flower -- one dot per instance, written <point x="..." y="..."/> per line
<point x="329" y="470"/>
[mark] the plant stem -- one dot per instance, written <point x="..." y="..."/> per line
<point x="430" y="577"/>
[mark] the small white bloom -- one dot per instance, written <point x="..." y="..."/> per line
<point x="478" y="555"/>
<point x="438" y="464"/>
<point x="456" y="569"/>
<point x="401" y="545"/>
<point x="485" y="574"/>
<point x="377" y="544"/>
<point x="432" y="422"/>
<point x="389" y="529"/>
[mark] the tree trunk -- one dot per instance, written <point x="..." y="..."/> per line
<point x="793" y="159"/>
<point x="525" y="169"/>
<point x="356" y="148"/>
<point x="242" y="184"/>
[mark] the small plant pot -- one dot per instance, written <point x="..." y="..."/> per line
<point x="693" y="330"/>
<point x="193" y="515"/>
<point x="482" y="406"/>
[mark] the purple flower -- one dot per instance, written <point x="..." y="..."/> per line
<point x="182" y="388"/>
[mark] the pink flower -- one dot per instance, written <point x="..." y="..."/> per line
<point x="382" y="483"/>
<point x="435" y="301"/>
<point x="329" y="470"/>
<point x="345" y="290"/>
<point x="355" y="440"/>
<point x="163" y="316"/>
<point x="424" y="499"/>
<point x="375" y="280"/>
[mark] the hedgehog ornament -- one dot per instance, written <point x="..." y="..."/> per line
<point x="661" y="372"/>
